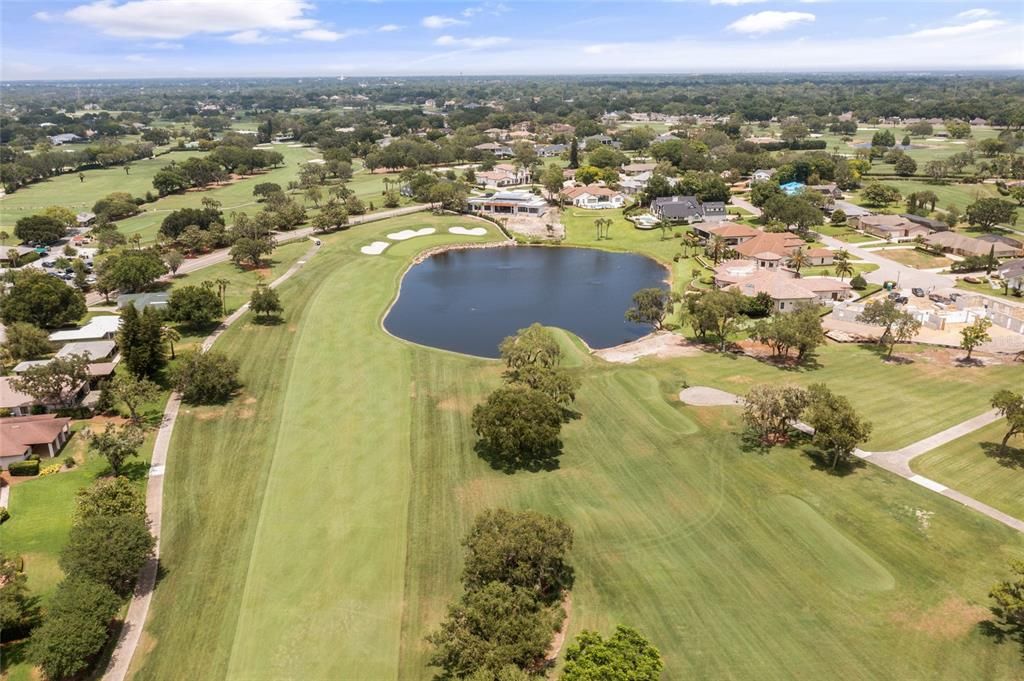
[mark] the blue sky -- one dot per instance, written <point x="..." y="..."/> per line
<point x="196" y="38"/>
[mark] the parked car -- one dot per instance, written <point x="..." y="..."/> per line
<point x="902" y="300"/>
<point x="48" y="264"/>
<point x="919" y="292"/>
<point x="893" y="295"/>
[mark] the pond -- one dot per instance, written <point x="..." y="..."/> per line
<point x="469" y="300"/>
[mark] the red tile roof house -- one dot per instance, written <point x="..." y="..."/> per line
<point x="20" y="436"/>
<point x="892" y="227"/>
<point x="819" y="256"/>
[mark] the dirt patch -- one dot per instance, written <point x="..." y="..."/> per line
<point x="954" y="357"/>
<point x="559" y="639"/>
<point x="245" y="413"/>
<point x="209" y="414"/>
<point x="660" y="344"/>
<point x="249" y="400"/>
<point x="951" y="619"/>
<point x="453" y="404"/>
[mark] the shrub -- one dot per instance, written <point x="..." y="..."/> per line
<point x="69" y="462"/>
<point x="50" y="470"/>
<point x="24" y="468"/>
<point x="5" y="515"/>
<point x="205" y="378"/>
<point x="858" y="283"/>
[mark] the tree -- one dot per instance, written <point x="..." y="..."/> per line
<point x="716" y="312"/>
<point x="798" y="259"/>
<point x="173" y="259"/>
<point x="838" y="217"/>
<point x="1008" y="601"/>
<point x="169" y="335"/>
<point x="490" y="628"/>
<point x="987" y="213"/>
<point x="26" y="341"/>
<point x="973" y="335"/>
<point x="552" y="178"/>
<point x="193" y="305"/>
<point x="880" y="195"/>
<point x="899" y="326"/>
<point x="132" y="270"/>
<point x="936" y="169"/>
<point x="265" y="189"/>
<point x="769" y="411"/>
<point x="905" y="166"/>
<point x="843" y="268"/>
<point x="883" y="138"/>
<point x="518" y="428"/>
<point x="75" y="629"/>
<point x="133" y="392"/>
<point x="265" y="301"/>
<point x="17" y="606"/>
<point x="574" y="153"/>
<point x="108" y="497"/>
<point x="117" y="444"/>
<point x="920" y="129"/>
<point x="39" y="228"/>
<point x="793" y="130"/>
<point x="604" y="156"/>
<point x="251" y="250"/>
<point x="650" y="306"/>
<point x="838" y="428"/>
<point x="41" y="300"/>
<point x="207" y="219"/>
<point x="108" y="550"/>
<point x="532" y="346"/>
<point x="800" y="329"/>
<point x="1011" y="406"/>
<point x="957" y="129"/>
<point x="625" y="656"/>
<point x="523" y="549"/>
<point x="717" y="248"/>
<point x="58" y="382"/>
<point x="205" y="378"/>
<point x="141" y="341"/>
<point x="332" y="215"/>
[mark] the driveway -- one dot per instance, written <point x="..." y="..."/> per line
<point x="746" y="205"/>
<point x="888" y="270"/>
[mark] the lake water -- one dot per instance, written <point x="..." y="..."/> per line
<point x="469" y="300"/>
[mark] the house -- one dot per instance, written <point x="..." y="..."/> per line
<point x="561" y="129"/>
<point x="687" y="209"/>
<point x="503" y="175"/>
<point x="18" y="403"/>
<point x="98" y="328"/>
<point x="762" y="175"/>
<point x="95" y="351"/>
<point x="819" y="256"/>
<point x="141" y="301"/>
<point x="891" y="226"/>
<point x="85" y="219"/>
<point x="549" y="150"/>
<point x="731" y="233"/>
<point x="1013" y="273"/>
<point x="64" y="138"/>
<point x="1009" y="242"/>
<point x="960" y="244"/>
<point x="499" y="150"/>
<point x="830" y="191"/>
<point x="594" y="196"/>
<point x="930" y="223"/>
<point x="787" y="291"/>
<point x="665" y="137"/>
<point x="595" y="141"/>
<point x="634" y="184"/>
<point x="638" y="168"/>
<point x="509" y="203"/>
<point x="21" y="436"/>
<point x="778" y="244"/>
<point x="5" y="253"/>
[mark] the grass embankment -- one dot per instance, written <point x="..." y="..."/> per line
<point x="312" y="525"/>
<point x="975" y="465"/>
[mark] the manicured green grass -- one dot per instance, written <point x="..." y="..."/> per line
<point x="313" y="524"/>
<point x="975" y="465"/>
<point x="988" y="290"/>
<point x="916" y="258"/>
<point x="68" y="191"/>
<point x="960" y="195"/>
<point x="830" y="270"/>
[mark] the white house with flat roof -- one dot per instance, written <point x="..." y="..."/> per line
<point x="509" y="203"/>
<point x="98" y="328"/>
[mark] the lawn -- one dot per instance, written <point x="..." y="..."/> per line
<point x="313" y="524"/>
<point x="988" y="290"/>
<point x="830" y="270"/>
<point x="975" y="465"/>
<point x="913" y="257"/>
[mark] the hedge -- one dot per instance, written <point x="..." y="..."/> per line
<point x="24" y="468"/>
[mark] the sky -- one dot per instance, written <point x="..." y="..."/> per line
<point x="68" y="39"/>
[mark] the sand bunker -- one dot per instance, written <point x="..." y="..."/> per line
<point x="376" y="248"/>
<point x="468" y="231"/>
<point x="411" y="233"/>
<point x="701" y="396"/>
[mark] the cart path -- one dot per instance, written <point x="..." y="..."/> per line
<point x="138" y="609"/>
<point x="898" y="460"/>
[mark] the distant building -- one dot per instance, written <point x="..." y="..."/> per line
<point x="687" y="209"/>
<point x="594" y="196"/>
<point x="509" y="203"/>
<point x="891" y="226"/>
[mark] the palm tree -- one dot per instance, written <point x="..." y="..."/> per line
<point x="664" y="225"/>
<point x="4" y="236"/>
<point x="222" y="291"/>
<point x="717" y="248"/>
<point x="598" y="223"/>
<point x="843" y="268"/>
<point x="797" y="260"/>
<point x="169" y="335"/>
<point x="12" y="256"/>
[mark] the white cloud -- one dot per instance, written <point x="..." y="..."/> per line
<point x="473" y="43"/>
<point x="978" y="13"/>
<point x="471" y="11"/>
<point x="737" y="2"/>
<point x="181" y="18"/>
<point x="952" y="31"/>
<point x="43" y="16"/>
<point x="769" y="21"/>
<point x="137" y="58"/>
<point x="389" y="28"/>
<point x="436" y="21"/>
<point x="164" y="45"/>
<point x="323" y="35"/>
<point x="252" y="37"/>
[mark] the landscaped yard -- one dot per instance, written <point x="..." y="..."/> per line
<point x="975" y="466"/>
<point x="913" y="257"/>
<point x="313" y="524"/>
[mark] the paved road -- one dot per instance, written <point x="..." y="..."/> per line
<point x="889" y="270"/>
<point x="746" y="205"/>
<point x="138" y="609"/>
<point x="224" y="254"/>
<point x="898" y="461"/>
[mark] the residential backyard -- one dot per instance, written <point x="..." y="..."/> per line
<point x="367" y="495"/>
<point x="914" y="257"/>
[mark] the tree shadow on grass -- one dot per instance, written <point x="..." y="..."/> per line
<point x="13" y="653"/>
<point x="1009" y="457"/>
<point x="882" y="351"/>
<point x="823" y="462"/>
<point x="267" y="321"/>
<point x="533" y="462"/>
<point x="1001" y="633"/>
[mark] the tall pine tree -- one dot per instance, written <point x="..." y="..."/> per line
<point x="141" y="342"/>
